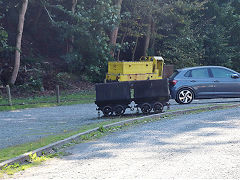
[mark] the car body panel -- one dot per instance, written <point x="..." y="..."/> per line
<point x="226" y="86"/>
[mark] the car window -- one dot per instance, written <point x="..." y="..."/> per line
<point x="188" y="74"/>
<point x="221" y="73"/>
<point x="174" y="75"/>
<point x="200" y="73"/>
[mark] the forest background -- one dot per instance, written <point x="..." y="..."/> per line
<point x="72" y="40"/>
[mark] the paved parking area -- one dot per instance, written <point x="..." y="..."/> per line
<point x="21" y="126"/>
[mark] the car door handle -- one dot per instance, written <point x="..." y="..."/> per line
<point x="216" y="81"/>
<point x="192" y="81"/>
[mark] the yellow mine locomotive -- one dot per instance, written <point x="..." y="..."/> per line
<point x="148" y="68"/>
<point x="133" y="85"/>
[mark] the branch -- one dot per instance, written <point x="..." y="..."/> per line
<point x="49" y="15"/>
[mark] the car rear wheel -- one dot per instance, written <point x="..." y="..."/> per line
<point x="184" y="96"/>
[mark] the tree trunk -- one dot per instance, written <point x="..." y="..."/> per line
<point x="114" y="33"/>
<point x="135" y="48"/>
<point x="19" y="41"/>
<point x="148" y="36"/>
<point x="71" y="40"/>
<point x="153" y="33"/>
<point x="74" y="3"/>
<point x="153" y="38"/>
<point x="122" y="41"/>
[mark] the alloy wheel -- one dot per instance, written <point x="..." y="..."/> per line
<point x="185" y="96"/>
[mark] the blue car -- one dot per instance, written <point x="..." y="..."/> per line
<point x="204" y="82"/>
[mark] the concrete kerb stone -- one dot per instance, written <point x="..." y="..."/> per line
<point x="50" y="148"/>
<point x="46" y="149"/>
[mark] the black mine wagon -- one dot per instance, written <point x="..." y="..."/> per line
<point x="116" y="97"/>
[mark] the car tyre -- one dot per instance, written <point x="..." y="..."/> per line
<point x="184" y="96"/>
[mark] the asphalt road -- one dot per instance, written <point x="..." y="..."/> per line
<point x="194" y="146"/>
<point x="22" y="126"/>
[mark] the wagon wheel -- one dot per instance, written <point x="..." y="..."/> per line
<point x="157" y="107"/>
<point x="107" y="111"/>
<point x="119" y="110"/>
<point x="146" y="108"/>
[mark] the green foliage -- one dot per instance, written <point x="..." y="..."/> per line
<point x="16" y="167"/>
<point x="102" y="129"/>
<point x="3" y="39"/>
<point x="184" y="32"/>
<point x="85" y="32"/>
<point x="32" y="81"/>
<point x="178" y="39"/>
<point x="63" y="79"/>
<point x="36" y="159"/>
<point x="217" y="35"/>
<point x="133" y="26"/>
<point x="74" y="62"/>
<point x="3" y="33"/>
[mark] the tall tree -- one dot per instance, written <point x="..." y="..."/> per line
<point x="134" y="27"/>
<point x="148" y="35"/>
<point x="178" y="39"/>
<point x="219" y="46"/>
<point x="19" y="40"/>
<point x="114" y="32"/>
<point x="74" y="4"/>
<point x="152" y="7"/>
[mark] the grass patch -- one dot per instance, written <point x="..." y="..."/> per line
<point x="83" y="97"/>
<point x="34" y="160"/>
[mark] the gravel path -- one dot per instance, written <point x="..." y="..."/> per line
<point x="21" y="126"/>
<point x="205" y="145"/>
<point x="27" y="125"/>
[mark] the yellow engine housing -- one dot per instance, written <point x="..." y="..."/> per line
<point x="148" y="68"/>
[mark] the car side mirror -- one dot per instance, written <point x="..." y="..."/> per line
<point x="235" y="76"/>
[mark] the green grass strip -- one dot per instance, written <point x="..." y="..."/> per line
<point x="84" y="97"/>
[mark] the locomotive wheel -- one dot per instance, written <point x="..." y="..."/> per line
<point x="119" y="110"/>
<point x="157" y="107"/>
<point x="146" y="108"/>
<point x="107" y="111"/>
